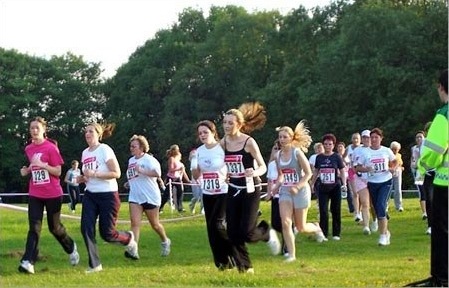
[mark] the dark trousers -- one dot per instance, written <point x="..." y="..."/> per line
<point x="276" y="221"/>
<point x="427" y="187"/>
<point x="334" y="195"/>
<point x="105" y="206"/>
<point x="35" y="214"/>
<point x="349" y="200"/>
<point x="215" y="213"/>
<point x="74" y="195"/>
<point x="241" y="217"/>
<point x="179" y="194"/>
<point x="438" y="242"/>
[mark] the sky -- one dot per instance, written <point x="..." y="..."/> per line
<point x="104" y="31"/>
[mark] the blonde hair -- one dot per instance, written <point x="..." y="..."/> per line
<point x="395" y="144"/>
<point x="103" y="129"/>
<point x="143" y="142"/>
<point x="250" y="115"/>
<point x="172" y="151"/>
<point x="300" y="136"/>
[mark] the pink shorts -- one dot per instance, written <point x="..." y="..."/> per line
<point x="359" y="184"/>
<point x="351" y="174"/>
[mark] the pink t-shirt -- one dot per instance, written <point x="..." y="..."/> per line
<point x="42" y="183"/>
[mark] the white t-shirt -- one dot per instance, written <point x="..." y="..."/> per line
<point x="379" y="160"/>
<point x="272" y="174"/>
<point x="312" y="160"/>
<point x="143" y="188"/>
<point x="349" y="152"/>
<point x="358" y="157"/>
<point x="96" y="160"/>
<point x="415" y="153"/>
<point x="213" y="170"/>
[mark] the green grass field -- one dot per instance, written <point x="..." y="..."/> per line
<point x="355" y="261"/>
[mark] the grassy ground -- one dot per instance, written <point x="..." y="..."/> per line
<point x="354" y="261"/>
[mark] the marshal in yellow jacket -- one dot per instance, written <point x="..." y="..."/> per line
<point x="434" y="154"/>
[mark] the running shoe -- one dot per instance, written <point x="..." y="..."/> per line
<point x="26" y="267"/>
<point x="273" y="243"/>
<point x="366" y="230"/>
<point x="374" y="226"/>
<point x="74" y="257"/>
<point x="165" y="248"/>
<point x="290" y="259"/>
<point x="95" y="269"/>
<point x="384" y="239"/>
<point x="132" y="248"/>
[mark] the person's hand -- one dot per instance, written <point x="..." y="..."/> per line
<point x="24" y="171"/>
<point x="268" y="197"/>
<point x="419" y="179"/>
<point x="249" y="172"/>
<point x="294" y="190"/>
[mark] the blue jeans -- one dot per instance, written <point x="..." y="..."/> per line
<point x="74" y="195"/>
<point x="379" y="193"/>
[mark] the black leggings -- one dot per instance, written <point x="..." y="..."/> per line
<point x="35" y="214"/>
<point x="179" y="194"/>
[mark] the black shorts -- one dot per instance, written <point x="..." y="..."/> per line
<point x="146" y="206"/>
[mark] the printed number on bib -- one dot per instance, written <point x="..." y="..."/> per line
<point x="210" y="182"/>
<point x="131" y="172"/>
<point x="40" y="176"/>
<point x="327" y="175"/>
<point x="291" y="178"/>
<point x="89" y="164"/>
<point x="235" y="165"/>
<point x="378" y="165"/>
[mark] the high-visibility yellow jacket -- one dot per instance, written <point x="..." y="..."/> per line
<point x="434" y="154"/>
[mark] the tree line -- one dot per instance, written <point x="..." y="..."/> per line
<point x="345" y="67"/>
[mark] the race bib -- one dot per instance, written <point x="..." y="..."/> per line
<point x="132" y="172"/>
<point x="40" y="176"/>
<point x="210" y="182"/>
<point x="379" y="165"/>
<point x="291" y="178"/>
<point x="235" y="165"/>
<point x="90" y="163"/>
<point x="327" y="175"/>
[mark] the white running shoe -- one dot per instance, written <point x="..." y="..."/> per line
<point x="273" y="243"/>
<point x="384" y="239"/>
<point x="26" y="267"/>
<point x="374" y="226"/>
<point x="132" y="248"/>
<point x="74" y="257"/>
<point x="336" y="238"/>
<point x="250" y="271"/>
<point x="290" y="259"/>
<point x="366" y="230"/>
<point x="95" y="269"/>
<point x="319" y="236"/>
<point x="165" y="248"/>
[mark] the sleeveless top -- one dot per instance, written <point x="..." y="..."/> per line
<point x="291" y="170"/>
<point x="237" y="162"/>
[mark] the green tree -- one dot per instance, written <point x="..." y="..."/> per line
<point x="63" y="90"/>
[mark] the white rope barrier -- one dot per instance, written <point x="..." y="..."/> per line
<point x="73" y="217"/>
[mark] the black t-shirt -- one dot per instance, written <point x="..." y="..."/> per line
<point x="328" y="170"/>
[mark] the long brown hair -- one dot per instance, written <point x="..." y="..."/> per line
<point x="251" y="115"/>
